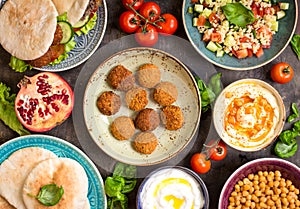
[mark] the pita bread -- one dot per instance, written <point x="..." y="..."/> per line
<point x="5" y="205"/>
<point x="15" y="169"/>
<point x="63" y="172"/>
<point x="75" y="9"/>
<point x="27" y="27"/>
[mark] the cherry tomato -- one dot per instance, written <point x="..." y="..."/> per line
<point x="146" y="35"/>
<point x="200" y="163"/>
<point x="217" y="150"/>
<point x="168" y="24"/>
<point x="282" y="72"/>
<point x="136" y="4"/>
<point x="150" y="10"/>
<point x="129" y="22"/>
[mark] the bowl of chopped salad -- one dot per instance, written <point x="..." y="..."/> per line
<point x="240" y="34"/>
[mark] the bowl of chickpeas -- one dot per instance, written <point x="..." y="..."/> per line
<point x="262" y="183"/>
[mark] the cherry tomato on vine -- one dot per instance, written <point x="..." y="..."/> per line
<point x="146" y="35"/>
<point x="168" y="24"/>
<point x="129" y="22"/>
<point x="282" y="73"/>
<point x="150" y="10"/>
<point x="217" y="150"/>
<point x="136" y="4"/>
<point x="200" y="163"/>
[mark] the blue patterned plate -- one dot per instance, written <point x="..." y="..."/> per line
<point x="86" y="45"/>
<point x="61" y="148"/>
<point x="281" y="39"/>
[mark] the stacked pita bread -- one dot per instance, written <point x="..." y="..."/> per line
<point x="28" y="169"/>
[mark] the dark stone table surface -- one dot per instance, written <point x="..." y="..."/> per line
<point x="220" y="171"/>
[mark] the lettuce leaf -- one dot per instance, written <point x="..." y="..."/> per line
<point x="7" y="110"/>
<point x="88" y="26"/>
<point x="18" y="65"/>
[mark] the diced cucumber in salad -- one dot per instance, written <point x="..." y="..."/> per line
<point x="242" y="28"/>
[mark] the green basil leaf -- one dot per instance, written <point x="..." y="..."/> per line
<point x="283" y="150"/>
<point x="296" y="126"/>
<point x="50" y="194"/>
<point x="291" y="118"/>
<point x="288" y="136"/>
<point x="238" y="14"/>
<point x="124" y="170"/>
<point x="129" y="186"/>
<point x="215" y="83"/>
<point x="114" y="185"/>
<point x="295" y="42"/>
<point x="295" y="109"/>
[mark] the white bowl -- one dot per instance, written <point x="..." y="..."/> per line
<point x="250" y="116"/>
<point x="165" y="180"/>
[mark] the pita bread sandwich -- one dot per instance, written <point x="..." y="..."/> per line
<point x="5" y="205"/>
<point x="63" y="172"/>
<point x="38" y="33"/>
<point x="15" y="169"/>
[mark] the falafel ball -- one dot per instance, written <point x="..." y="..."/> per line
<point x="172" y="117"/>
<point x="165" y="93"/>
<point x="148" y="75"/>
<point x="109" y="103"/>
<point x="145" y="142"/>
<point x="136" y="98"/>
<point x="122" y="128"/>
<point x="147" y="120"/>
<point x="120" y="78"/>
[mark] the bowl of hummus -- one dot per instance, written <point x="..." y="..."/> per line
<point x="173" y="188"/>
<point x="249" y="114"/>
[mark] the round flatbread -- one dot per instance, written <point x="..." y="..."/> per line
<point x="5" y="205"/>
<point x="74" y="8"/>
<point x="63" y="172"/>
<point x="15" y="169"/>
<point x="27" y="27"/>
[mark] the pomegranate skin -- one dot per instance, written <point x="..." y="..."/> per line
<point x="44" y="101"/>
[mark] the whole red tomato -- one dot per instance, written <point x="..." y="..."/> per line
<point x="129" y="22"/>
<point x="217" y="150"/>
<point x="136" y="4"/>
<point x="168" y="24"/>
<point x="150" y="10"/>
<point x="200" y="163"/>
<point x="282" y="73"/>
<point x="146" y="35"/>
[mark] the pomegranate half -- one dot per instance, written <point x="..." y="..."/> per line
<point x="44" y="101"/>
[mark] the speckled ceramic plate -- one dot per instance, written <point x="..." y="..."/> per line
<point x="281" y="39"/>
<point x="86" y="45"/>
<point x="61" y="148"/>
<point x="170" y="142"/>
<point x="254" y="88"/>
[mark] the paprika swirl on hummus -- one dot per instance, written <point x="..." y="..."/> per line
<point x="251" y="114"/>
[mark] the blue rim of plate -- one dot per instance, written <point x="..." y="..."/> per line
<point x="281" y="39"/>
<point x="61" y="148"/>
<point x="86" y="44"/>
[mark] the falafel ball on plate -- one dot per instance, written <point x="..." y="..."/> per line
<point x="165" y="93"/>
<point x="136" y="98"/>
<point x="145" y="142"/>
<point x="147" y="120"/>
<point x="120" y="78"/>
<point x="109" y="103"/>
<point x="172" y="117"/>
<point x="148" y="75"/>
<point x="122" y="128"/>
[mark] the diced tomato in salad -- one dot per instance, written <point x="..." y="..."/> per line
<point x="242" y="42"/>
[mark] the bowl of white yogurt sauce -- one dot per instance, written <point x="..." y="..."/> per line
<point x="172" y="187"/>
